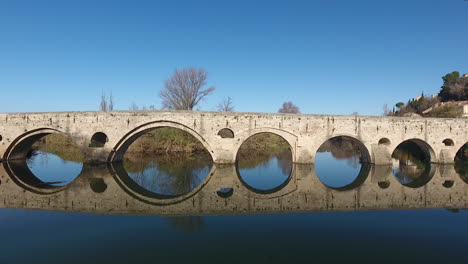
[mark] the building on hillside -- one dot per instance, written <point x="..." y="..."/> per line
<point x="463" y="105"/>
<point x="465" y="75"/>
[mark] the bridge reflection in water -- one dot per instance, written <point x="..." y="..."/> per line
<point x="111" y="189"/>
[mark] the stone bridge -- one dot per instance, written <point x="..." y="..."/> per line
<point x="115" y="131"/>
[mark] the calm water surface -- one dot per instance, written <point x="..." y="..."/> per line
<point x="393" y="236"/>
<point x="53" y="170"/>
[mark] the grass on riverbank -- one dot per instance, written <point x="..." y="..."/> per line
<point x="59" y="145"/>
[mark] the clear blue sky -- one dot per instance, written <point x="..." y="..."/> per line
<point x="328" y="57"/>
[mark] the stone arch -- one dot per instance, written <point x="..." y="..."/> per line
<point x="462" y="153"/>
<point x="384" y="141"/>
<point x="98" y="140"/>
<point x="121" y="147"/>
<point x="448" y="142"/>
<point x="226" y="133"/>
<point x="17" y="168"/>
<point x="20" y="146"/>
<point x="423" y="145"/>
<point x="366" y="157"/>
<point x="287" y="136"/>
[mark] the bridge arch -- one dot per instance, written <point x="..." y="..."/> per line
<point x="289" y="137"/>
<point x="17" y="168"/>
<point x="423" y="145"/>
<point x="366" y="156"/>
<point x="462" y="153"/>
<point x="20" y="146"/>
<point x="122" y="145"/>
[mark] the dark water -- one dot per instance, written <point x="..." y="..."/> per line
<point x="429" y="236"/>
<point x="386" y="236"/>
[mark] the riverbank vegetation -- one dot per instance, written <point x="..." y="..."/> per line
<point x="260" y="148"/>
<point x="59" y="145"/>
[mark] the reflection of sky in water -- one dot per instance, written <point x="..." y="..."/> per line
<point x="266" y="176"/>
<point x="50" y="168"/>
<point x="335" y="173"/>
<point x="169" y="182"/>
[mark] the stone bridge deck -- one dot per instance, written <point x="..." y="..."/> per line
<point x="377" y="136"/>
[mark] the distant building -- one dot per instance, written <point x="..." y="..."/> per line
<point x="465" y="75"/>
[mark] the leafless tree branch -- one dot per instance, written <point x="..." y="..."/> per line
<point x="226" y="105"/>
<point x="184" y="89"/>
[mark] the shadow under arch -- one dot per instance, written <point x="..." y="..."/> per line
<point x="415" y="158"/>
<point x="462" y="154"/>
<point x="421" y="180"/>
<point x="124" y="143"/>
<point x="461" y="162"/>
<point x="19" y="147"/>
<point x="128" y="185"/>
<point x="423" y="145"/>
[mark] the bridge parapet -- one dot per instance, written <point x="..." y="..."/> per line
<point x="305" y="133"/>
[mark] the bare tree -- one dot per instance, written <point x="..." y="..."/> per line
<point x="107" y="103"/>
<point x="289" y="107"/>
<point x="184" y="89"/>
<point x="386" y="110"/>
<point x="134" y="107"/>
<point x="226" y="105"/>
<point x="103" y="105"/>
<point x="110" y="105"/>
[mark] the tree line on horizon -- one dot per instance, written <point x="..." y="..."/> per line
<point x="184" y="90"/>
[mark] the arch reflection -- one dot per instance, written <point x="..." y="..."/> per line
<point x="341" y="163"/>
<point x="264" y="163"/>
<point x="45" y="162"/>
<point x="20" y="172"/>
<point x="163" y="180"/>
<point x="412" y="163"/>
